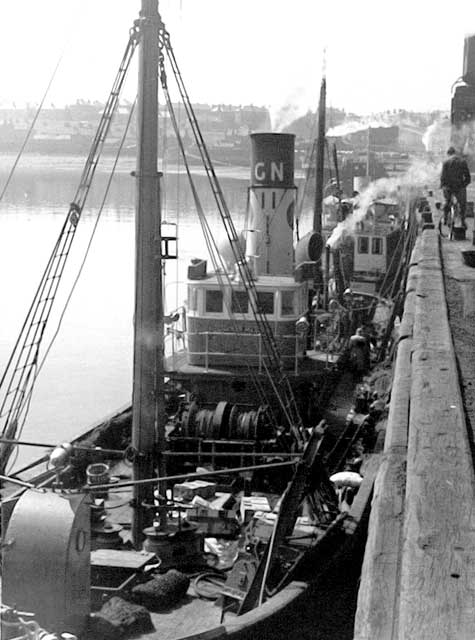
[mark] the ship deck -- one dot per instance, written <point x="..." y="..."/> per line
<point x="313" y="363"/>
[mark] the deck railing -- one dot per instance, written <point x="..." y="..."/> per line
<point x="208" y="354"/>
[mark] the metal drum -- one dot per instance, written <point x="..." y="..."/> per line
<point x="176" y="546"/>
<point x="46" y="560"/>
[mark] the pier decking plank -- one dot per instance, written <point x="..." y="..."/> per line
<point x="419" y="568"/>
<point x="437" y="599"/>
<point x="378" y="596"/>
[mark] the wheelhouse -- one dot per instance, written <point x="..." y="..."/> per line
<point x="221" y="330"/>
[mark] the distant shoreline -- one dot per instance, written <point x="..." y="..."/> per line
<point x="75" y="163"/>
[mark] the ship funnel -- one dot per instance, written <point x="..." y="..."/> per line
<point x="271" y="203"/>
<point x="469" y="60"/>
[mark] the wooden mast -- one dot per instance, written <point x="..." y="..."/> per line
<point x="320" y="159"/>
<point x="147" y="398"/>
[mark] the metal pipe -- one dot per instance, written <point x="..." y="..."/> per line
<point x="20" y="483"/>
<point x="183" y="476"/>
<point x="230" y="454"/>
<point x="45" y="445"/>
<point x="326" y="277"/>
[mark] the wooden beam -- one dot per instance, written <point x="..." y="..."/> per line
<point x="378" y="595"/>
<point x="437" y="598"/>
<point x="361" y="502"/>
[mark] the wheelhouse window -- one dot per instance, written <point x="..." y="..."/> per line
<point x="363" y="244"/>
<point x="265" y="300"/>
<point x="377" y="246"/>
<point x="287" y="303"/>
<point x="240" y="302"/>
<point x="214" y="301"/>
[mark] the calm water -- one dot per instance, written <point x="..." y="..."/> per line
<point x="88" y="371"/>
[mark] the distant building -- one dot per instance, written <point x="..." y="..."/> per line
<point x="374" y="138"/>
<point x="71" y="129"/>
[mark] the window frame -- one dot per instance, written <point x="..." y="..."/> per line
<point x="215" y="292"/>
<point x="283" y="294"/>
<point x="262" y="306"/>
<point x="235" y="295"/>
<point x="363" y="240"/>
<point x="380" y="245"/>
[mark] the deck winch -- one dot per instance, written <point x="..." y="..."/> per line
<point x="226" y="421"/>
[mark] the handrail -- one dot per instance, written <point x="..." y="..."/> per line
<point x="261" y="355"/>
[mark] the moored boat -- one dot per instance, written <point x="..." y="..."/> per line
<point x="221" y="468"/>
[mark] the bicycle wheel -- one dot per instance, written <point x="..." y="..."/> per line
<point x="444" y="222"/>
<point x="451" y="222"/>
<point x="441" y="233"/>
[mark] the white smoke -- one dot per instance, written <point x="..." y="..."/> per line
<point x="353" y="126"/>
<point x="295" y="106"/>
<point x="436" y="137"/>
<point x="400" y="188"/>
<point x="463" y="138"/>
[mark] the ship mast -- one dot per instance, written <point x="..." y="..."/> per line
<point x="147" y="398"/>
<point x="320" y="159"/>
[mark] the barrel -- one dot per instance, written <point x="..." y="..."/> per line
<point x="97" y="473"/>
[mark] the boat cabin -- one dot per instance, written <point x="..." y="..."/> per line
<point x="375" y="242"/>
<point x="220" y="326"/>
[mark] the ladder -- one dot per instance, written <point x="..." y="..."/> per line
<point x="18" y="379"/>
<point x="275" y="369"/>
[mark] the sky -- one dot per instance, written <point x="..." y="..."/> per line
<point x="379" y="55"/>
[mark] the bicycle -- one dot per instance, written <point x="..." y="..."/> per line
<point x="450" y="219"/>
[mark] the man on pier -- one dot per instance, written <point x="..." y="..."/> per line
<point x="454" y="179"/>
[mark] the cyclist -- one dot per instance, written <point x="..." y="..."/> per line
<point x="454" y="179"/>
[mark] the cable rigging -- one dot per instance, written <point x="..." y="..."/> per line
<point x="218" y="263"/>
<point x="38" y="369"/>
<point x="30" y="129"/>
<point x="282" y="384"/>
<point x="20" y="373"/>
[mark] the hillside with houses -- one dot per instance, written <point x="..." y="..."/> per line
<point x="226" y="129"/>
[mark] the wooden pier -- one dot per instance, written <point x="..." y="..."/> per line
<point x="418" y="576"/>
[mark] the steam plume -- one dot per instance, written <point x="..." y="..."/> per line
<point x="419" y="174"/>
<point x="296" y="105"/>
<point x="353" y="126"/>
<point x="463" y="138"/>
<point x="436" y="137"/>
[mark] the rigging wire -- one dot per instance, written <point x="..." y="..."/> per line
<point x="17" y="396"/>
<point x="31" y="127"/>
<point x="216" y="258"/>
<point x="199" y="474"/>
<point x="94" y="229"/>
<point x="39" y="367"/>
<point x="286" y="397"/>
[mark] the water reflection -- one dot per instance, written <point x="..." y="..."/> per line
<point x="88" y="371"/>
